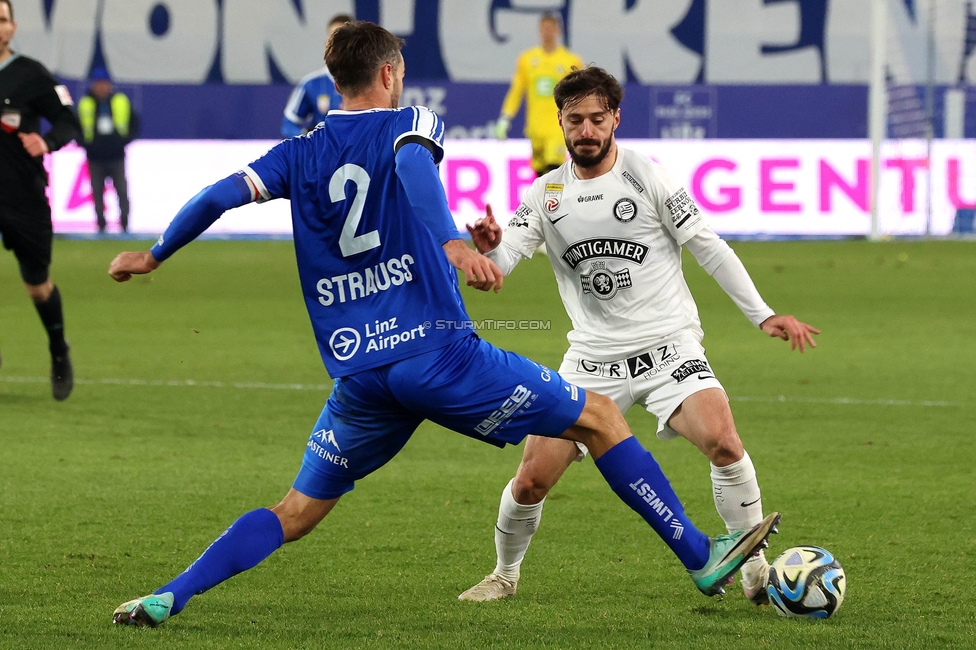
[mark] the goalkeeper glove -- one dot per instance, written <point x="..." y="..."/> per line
<point x="501" y="127"/>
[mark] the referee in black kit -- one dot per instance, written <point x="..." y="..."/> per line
<point x="27" y="93"/>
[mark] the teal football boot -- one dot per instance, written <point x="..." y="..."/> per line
<point x="148" y="611"/>
<point x="727" y="553"/>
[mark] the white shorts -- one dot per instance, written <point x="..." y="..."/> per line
<point x="660" y="379"/>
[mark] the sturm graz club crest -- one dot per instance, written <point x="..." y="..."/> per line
<point x="604" y="283"/>
<point x="624" y="210"/>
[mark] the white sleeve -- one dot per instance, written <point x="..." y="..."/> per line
<point x="721" y="262"/>
<point x="519" y="240"/>
<point x="677" y="209"/>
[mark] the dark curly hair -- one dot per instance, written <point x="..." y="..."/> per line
<point x="591" y="80"/>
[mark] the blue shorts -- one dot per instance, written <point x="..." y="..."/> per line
<point x="469" y="386"/>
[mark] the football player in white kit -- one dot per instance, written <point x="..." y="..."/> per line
<point x="614" y="223"/>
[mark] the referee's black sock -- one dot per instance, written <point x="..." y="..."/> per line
<point x="53" y="319"/>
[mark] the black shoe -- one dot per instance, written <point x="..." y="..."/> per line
<point x="62" y="375"/>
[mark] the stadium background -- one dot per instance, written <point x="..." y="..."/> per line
<point x="695" y="70"/>
<point x="197" y="385"/>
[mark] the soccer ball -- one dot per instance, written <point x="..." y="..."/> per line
<point x="806" y="582"/>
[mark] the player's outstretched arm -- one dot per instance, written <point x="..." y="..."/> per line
<point x="193" y="218"/>
<point x="479" y="271"/>
<point x="127" y="264"/>
<point x="788" y="328"/>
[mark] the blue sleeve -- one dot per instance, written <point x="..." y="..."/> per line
<point x="421" y="125"/>
<point x="271" y="172"/>
<point x="200" y="212"/>
<point x="416" y="170"/>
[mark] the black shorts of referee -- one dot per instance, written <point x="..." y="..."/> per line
<point x="26" y="231"/>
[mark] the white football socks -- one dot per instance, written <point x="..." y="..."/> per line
<point x="737" y="497"/>
<point x="513" y="531"/>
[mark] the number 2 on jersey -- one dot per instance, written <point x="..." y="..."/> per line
<point x="349" y="242"/>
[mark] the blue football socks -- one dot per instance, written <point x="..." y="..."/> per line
<point x="250" y="539"/>
<point x="638" y="480"/>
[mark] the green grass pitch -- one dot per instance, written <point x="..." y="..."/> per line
<point x="198" y="387"/>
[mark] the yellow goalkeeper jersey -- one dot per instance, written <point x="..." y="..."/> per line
<point x="536" y="74"/>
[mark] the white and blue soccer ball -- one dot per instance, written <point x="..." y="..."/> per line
<point x="806" y="582"/>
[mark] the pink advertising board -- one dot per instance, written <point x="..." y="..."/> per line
<point x="746" y="187"/>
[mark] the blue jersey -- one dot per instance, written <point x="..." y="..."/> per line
<point x="309" y="103"/>
<point x="377" y="285"/>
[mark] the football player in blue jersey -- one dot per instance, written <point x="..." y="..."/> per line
<point x="376" y="244"/>
<point x="314" y="96"/>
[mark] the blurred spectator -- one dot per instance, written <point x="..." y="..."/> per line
<point x="108" y="124"/>
<point x="315" y="95"/>
<point x="536" y="74"/>
<point x="28" y="92"/>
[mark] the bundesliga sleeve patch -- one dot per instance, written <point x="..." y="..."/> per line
<point x="553" y="196"/>
<point x="683" y="210"/>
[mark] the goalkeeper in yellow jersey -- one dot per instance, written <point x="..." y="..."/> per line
<point x="536" y="74"/>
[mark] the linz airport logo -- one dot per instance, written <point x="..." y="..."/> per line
<point x="345" y="343"/>
<point x="624" y="210"/>
<point x="588" y="249"/>
<point x="689" y="368"/>
<point x="553" y="196"/>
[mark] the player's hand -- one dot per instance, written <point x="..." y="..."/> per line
<point x="34" y="144"/>
<point x="501" y="127"/>
<point x="486" y="233"/>
<point x="479" y="271"/>
<point x="790" y="329"/>
<point x="125" y="265"/>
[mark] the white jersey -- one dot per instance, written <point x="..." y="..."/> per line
<point x="615" y="246"/>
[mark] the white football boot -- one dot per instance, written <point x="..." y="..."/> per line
<point x="493" y="587"/>
<point x="755" y="578"/>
